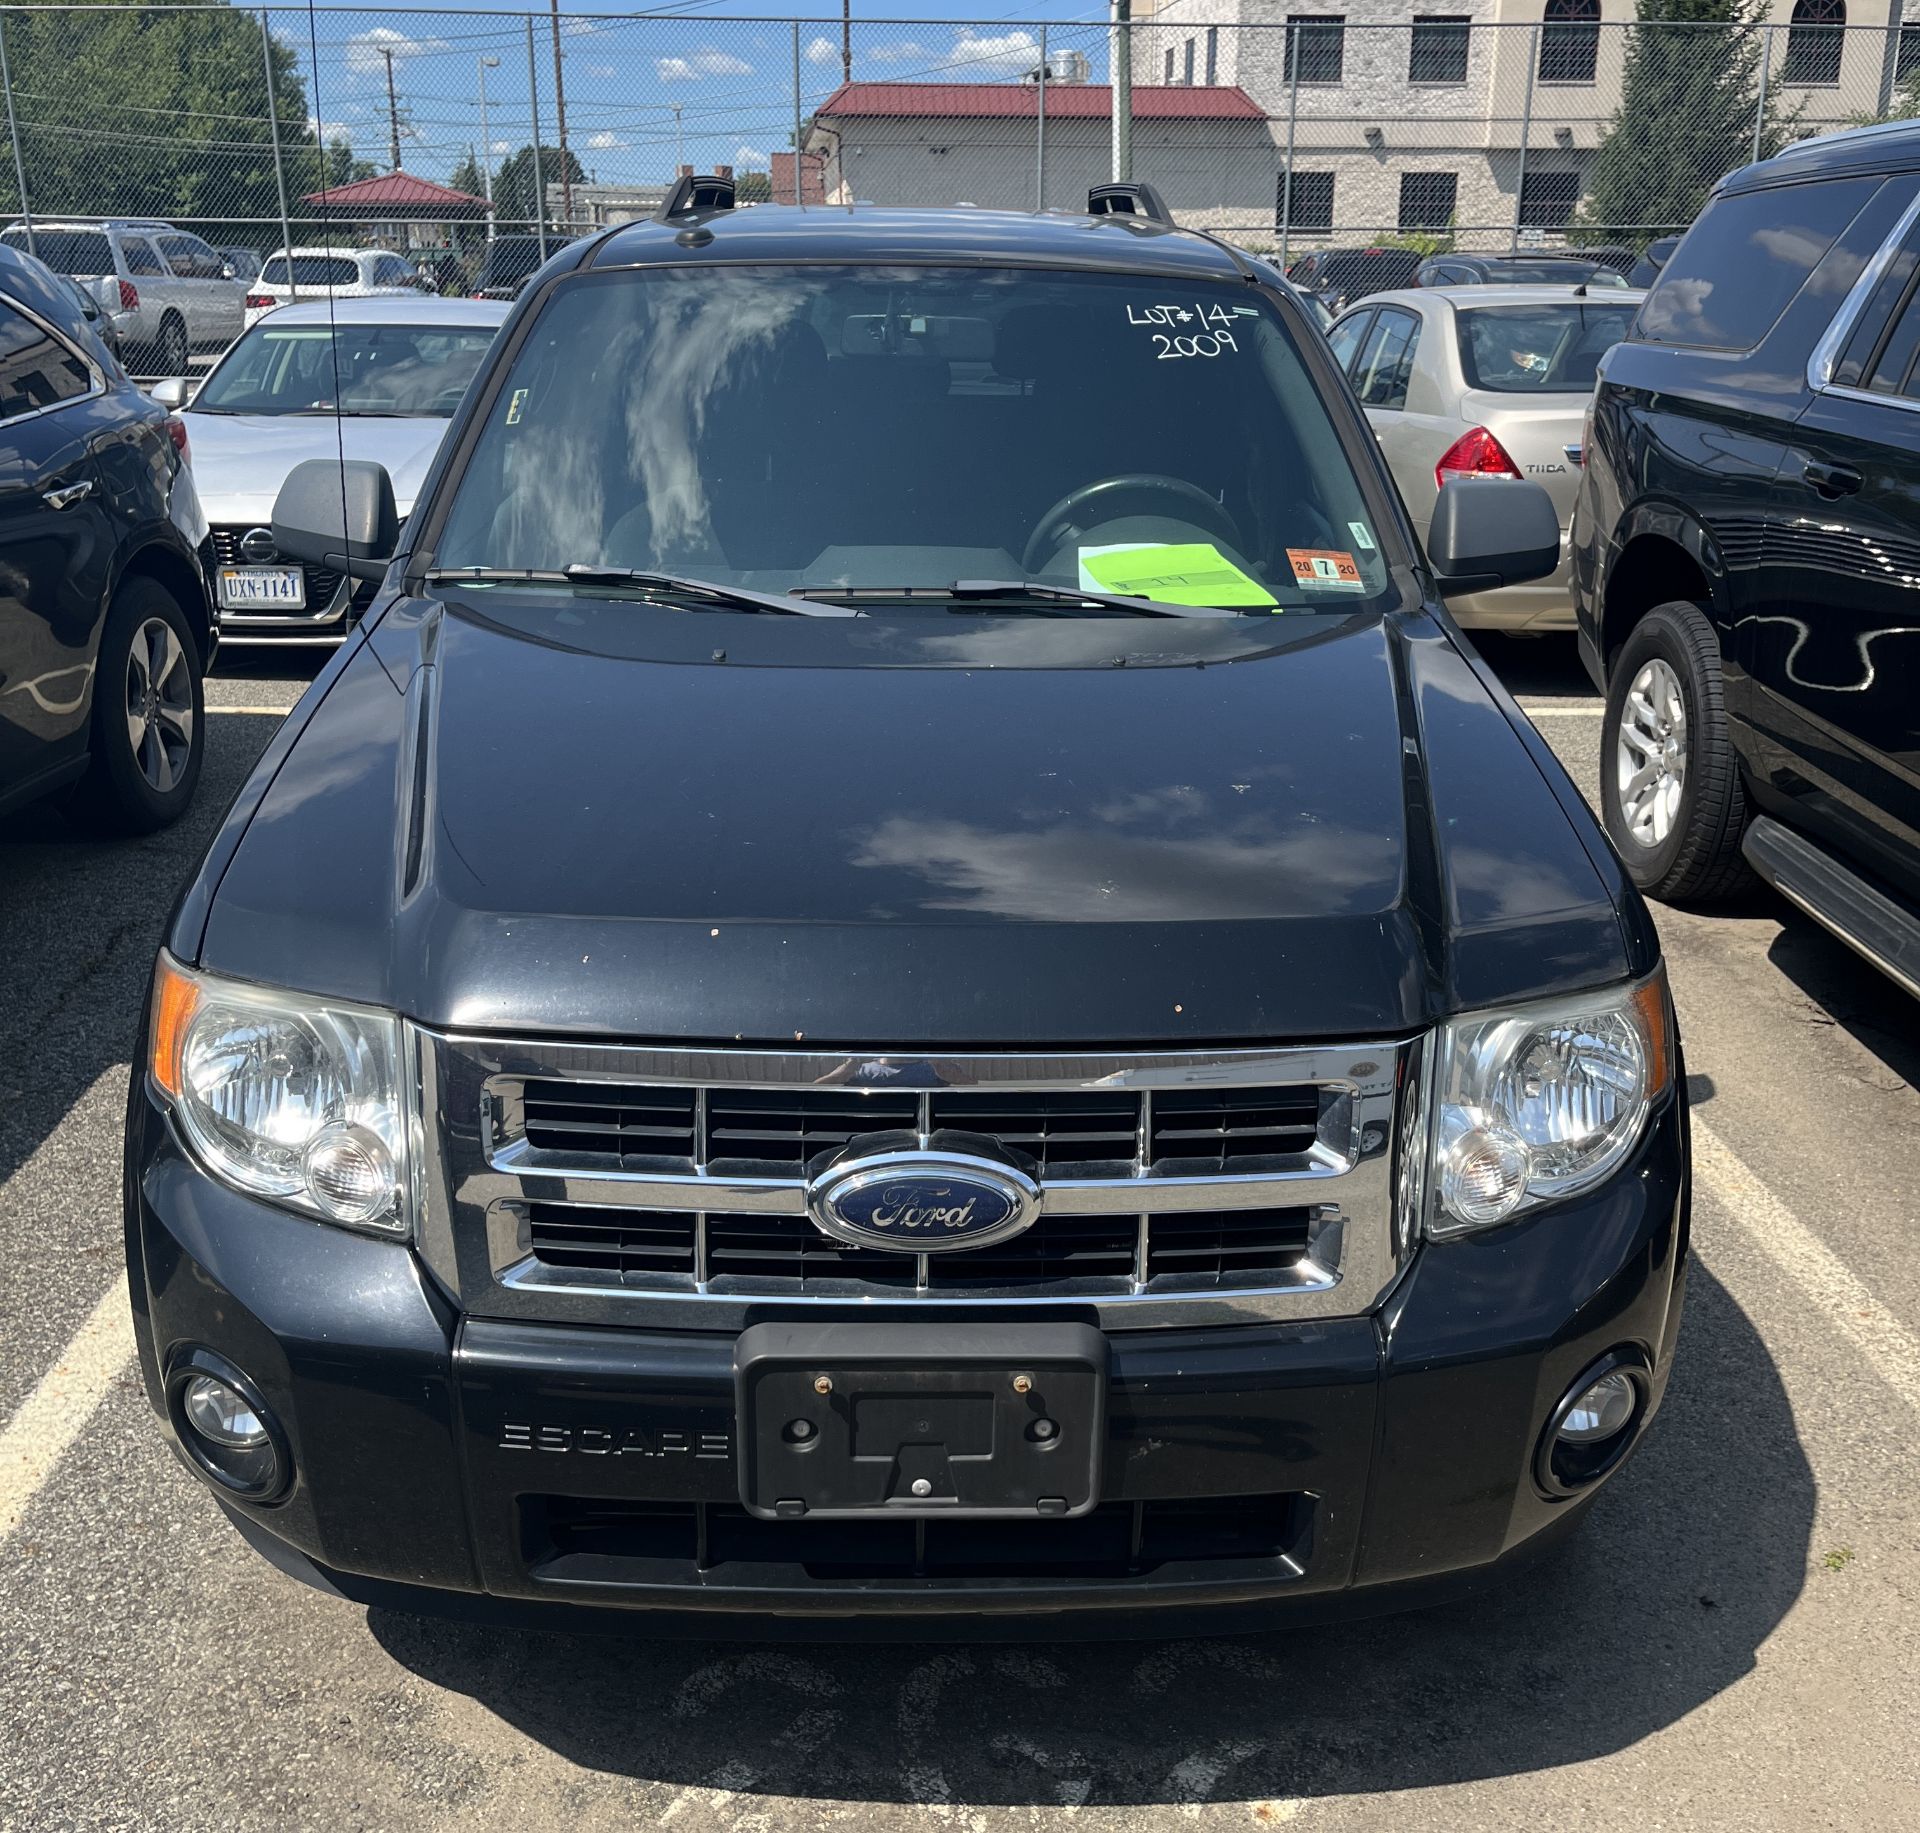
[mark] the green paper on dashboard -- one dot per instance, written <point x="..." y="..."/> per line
<point x="1195" y="573"/>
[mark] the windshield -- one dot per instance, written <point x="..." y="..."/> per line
<point x="67" y="251"/>
<point x="1539" y="349"/>
<point x="312" y="270"/>
<point x="377" y="369"/>
<point x="864" y="427"/>
<point x="1555" y="273"/>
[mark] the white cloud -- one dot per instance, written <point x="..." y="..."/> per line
<point x="907" y="51"/>
<point x="701" y="63"/>
<point x="995" y="54"/>
<point x="366" y="50"/>
<point x="751" y="159"/>
<point x="329" y="130"/>
<point x="823" y="51"/>
<point x="607" y="143"/>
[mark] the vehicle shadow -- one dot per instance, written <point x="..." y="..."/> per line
<point x="1847" y="991"/>
<point x="1535" y="664"/>
<point x="1688" y="1563"/>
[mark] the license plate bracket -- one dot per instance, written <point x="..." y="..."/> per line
<point x="981" y="1420"/>
<point x="263" y="588"/>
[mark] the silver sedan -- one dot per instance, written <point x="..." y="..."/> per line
<point x="1484" y="381"/>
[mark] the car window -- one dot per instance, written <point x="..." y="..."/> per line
<point x="1345" y="338"/>
<point x="141" y="256"/>
<point x="36" y="369"/>
<point x="180" y="256"/>
<point x="1539" y="349"/>
<point x="312" y="270"/>
<point x="1741" y="264"/>
<point x="409" y="370"/>
<point x="746" y="425"/>
<point x="85" y="252"/>
<point x="1385" y="366"/>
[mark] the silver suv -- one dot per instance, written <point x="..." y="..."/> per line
<point x="168" y="292"/>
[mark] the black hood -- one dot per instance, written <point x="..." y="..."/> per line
<point x="615" y="819"/>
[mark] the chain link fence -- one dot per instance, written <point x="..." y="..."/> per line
<point x="431" y="133"/>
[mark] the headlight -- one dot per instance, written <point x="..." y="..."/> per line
<point x="287" y="1097"/>
<point x="1543" y="1101"/>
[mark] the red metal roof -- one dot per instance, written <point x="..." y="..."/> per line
<point x="396" y="190"/>
<point x="1065" y="101"/>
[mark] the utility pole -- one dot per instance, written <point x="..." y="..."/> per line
<point x="846" y="41"/>
<point x="1120" y="55"/>
<point x="393" y="113"/>
<point x="486" y="142"/>
<point x="560" y="111"/>
<point x="679" y="140"/>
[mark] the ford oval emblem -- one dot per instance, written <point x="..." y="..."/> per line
<point x="922" y="1202"/>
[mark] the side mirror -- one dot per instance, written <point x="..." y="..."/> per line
<point x="175" y="392"/>
<point x="1491" y="532"/>
<point x="228" y="271"/>
<point x="338" y="514"/>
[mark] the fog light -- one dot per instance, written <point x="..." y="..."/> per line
<point x="1601" y="1410"/>
<point x="221" y="1414"/>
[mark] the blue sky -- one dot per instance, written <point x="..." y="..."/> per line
<point x="731" y="76"/>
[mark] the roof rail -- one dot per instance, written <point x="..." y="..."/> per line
<point x="1128" y="200"/>
<point x="691" y="195"/>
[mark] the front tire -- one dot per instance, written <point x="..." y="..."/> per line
<point x="1670" y="787"/>
<point x="148" y="734"/>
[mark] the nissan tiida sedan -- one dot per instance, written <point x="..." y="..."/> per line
<point x="374" y="379"/>
<point x="1485" y="382"/>
<point x="905" y="981"/>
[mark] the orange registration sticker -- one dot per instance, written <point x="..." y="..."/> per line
<point x="1325" y="569"/>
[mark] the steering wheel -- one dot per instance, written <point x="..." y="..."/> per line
<point x="1102" y="501"/>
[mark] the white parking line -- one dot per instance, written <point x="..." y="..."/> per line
<point x="53" y="1415"/>
<point x="277" y="712"/>
<point x="1534" y="710"/>
<point x="1819" y="1275"/>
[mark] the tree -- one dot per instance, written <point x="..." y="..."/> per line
<point x="343" y="168"/>
<point x="516" y="203"/>
<point x="752" y="187"/>
<point x="136" y="113"/>
<point x="1688" y="104"/>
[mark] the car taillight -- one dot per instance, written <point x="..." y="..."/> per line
<point x="177" y="432"/>
<point x="260" y="301"/>
<point x="1476" y="453"/>
<point x="129" y="296"/>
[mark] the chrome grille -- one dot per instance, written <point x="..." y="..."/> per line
<point x="598" y="1182"/>
<point x="323" y="583"/>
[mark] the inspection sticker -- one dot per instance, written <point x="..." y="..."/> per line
<point x="1325" y="569"/>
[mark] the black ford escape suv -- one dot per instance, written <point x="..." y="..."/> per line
<point x="1747" y="543"/>
<point x="905" y="977"/>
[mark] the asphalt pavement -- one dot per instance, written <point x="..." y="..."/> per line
<point x="1728" y="1643"/>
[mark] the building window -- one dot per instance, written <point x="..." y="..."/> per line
<point x="1187" y="72"/>
<point x="1569" y="41"/>
<point x="1547" y="199"/>
<point x="1316" y="47"/>
<point x="1428" y="199"/>
<point x="1213" y="55"/>
<point x="1169" y="78"/>
<point x="1303" y="202"/>
<point x="1439" y="53"/>
<point x="1906" y="55"/>
<point x="1815" y="38"/>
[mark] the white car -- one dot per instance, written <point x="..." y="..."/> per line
<point x="316" y="273"/>
<point x="402" y="367"/>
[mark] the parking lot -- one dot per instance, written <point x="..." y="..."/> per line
<point x="1728" y="1644"/>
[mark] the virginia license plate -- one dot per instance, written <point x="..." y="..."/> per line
<point x="277" y="588"/>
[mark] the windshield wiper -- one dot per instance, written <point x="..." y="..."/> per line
<point x="635" y="579"/>
<point x="994" y="590"/>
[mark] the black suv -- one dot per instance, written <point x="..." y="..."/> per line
<point x="906" y="975"/>
<point x="1518" y="270"/>
<point x="106" y="625"/>
<point x="1338" y="276"/>
<point x="509" y="263"/>
<point x="1746" y="544"/>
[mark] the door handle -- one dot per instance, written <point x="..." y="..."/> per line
<point x="1831" y="481"/>
<point x="68" y="494"/>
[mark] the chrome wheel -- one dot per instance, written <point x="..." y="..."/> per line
<point x="159" y="704"/>
<point x="1650" y="754"/>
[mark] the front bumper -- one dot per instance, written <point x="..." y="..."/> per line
<point x="1253" y="1474"/>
